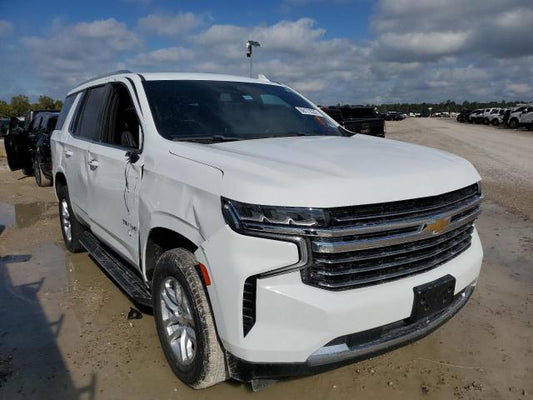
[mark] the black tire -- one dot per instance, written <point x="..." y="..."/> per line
<point x="40" y="178"/>
<point x="76" y="228"/>
<point x="486" y="121"/>
<point x="495" y="122"/>
<point x="208" y="366"/>
<point x="513" y="124"/>
<point x="28" y="171"/>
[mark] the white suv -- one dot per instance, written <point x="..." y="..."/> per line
<point x="521" y="117"/>
<point x="269" y="243"/>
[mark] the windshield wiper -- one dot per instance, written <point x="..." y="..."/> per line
<point x="206" y="139"/>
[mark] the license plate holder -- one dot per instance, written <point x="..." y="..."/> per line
<point x="432" y="297"/>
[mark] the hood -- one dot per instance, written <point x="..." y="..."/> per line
<point x="330" y="171"/>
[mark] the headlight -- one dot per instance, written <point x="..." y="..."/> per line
<point x="246" y="217"/>
<point x="280" y="223"/>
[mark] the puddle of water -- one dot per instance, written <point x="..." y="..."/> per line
<point x="25" y="215"/>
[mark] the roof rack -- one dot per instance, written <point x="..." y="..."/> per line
<point x="120" y="71"/>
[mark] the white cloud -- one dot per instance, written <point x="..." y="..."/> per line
<point x="77" y="52"/>
<point x="421" y="50"/>
<point x="169" y="56"/>
<point x="171" y="25"/>
<point x="521" y="89"/>
<point x="6" y="27"/>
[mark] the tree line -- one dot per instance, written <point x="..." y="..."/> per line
<point x="20" y="105"/>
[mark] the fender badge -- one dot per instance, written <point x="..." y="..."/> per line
<point x="437" y="226"/>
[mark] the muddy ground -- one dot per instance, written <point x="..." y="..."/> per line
<point x="64" y="332"/>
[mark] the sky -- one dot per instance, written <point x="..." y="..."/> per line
<point x="335" y="51"/>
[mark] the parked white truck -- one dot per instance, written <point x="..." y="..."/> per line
<point x="269" y="242"/>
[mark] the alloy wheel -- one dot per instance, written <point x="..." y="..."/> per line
<point x="178" y="321"/>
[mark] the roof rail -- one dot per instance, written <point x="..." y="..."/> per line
<point x="120" y="71"/>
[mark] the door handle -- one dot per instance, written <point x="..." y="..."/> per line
<point x="68" y="153"/>
<point x="93" y="164"/>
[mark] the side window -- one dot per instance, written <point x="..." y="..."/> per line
<point x="89" y="122"/>
<point x="51" y="124"/>
<point x="34" y="127"/>
<point x="67" y="105"/>
<point x="121" y="121"/>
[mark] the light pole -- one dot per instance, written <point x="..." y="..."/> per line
<point x="250" y="44"/>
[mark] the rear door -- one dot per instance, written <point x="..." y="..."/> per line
<point x="527" y="116"/>
<point x="114" y="178"/>
<point x="16" y="144"/>
<point x="84" y="132"/>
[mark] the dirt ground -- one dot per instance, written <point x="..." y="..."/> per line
<point x="64" y="332"/>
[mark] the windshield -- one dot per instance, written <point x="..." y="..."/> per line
<point x="192" y="110"/>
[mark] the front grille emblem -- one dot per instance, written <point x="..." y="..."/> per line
<point x="437" y="226"/>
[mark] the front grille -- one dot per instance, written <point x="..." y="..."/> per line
<point x="371" y="244"/>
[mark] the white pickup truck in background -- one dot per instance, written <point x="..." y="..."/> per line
<point x="268" y="241"/>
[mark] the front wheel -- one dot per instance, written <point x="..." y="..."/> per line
<point x="184" y="321"/>
<point x="513" y="124"/>
<point x="40" y="178"/>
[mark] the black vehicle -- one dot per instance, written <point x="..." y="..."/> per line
<point x="358" y="119"/>
<point x="4" y="126"/>
<point x="464" y="115"/>
<point x="394" y="116"/>
<point x="28" y="145"/>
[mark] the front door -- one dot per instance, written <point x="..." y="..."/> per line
<point x="17" y="145"/>
<point x="115" y="170"/>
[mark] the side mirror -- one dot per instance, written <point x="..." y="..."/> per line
<point x="133" y="156"/>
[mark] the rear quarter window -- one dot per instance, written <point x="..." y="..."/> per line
<point x="67" y="105"/>
<point x="89" y="121"/>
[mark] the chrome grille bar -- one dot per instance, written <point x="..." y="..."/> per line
<point x="393" y="263"/>
<point x="321" y="246"/>
<point x="396" y="274"/>
<point x="399" y="240"/>
<point x="394" y="250"/>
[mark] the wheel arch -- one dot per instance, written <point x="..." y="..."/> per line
<point x="162" y="237"/>
<point x="60" y="180"/>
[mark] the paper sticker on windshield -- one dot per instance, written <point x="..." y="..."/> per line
<point x="309" y="111"/>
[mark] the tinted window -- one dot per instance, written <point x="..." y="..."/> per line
<point x="203" y="109"/>
<point x="67" y="104"/>
<point x="51" y="124"/>
<point x="34" y="127"/>
<point x="121" y="122"/>
<point x="89" y="125"/>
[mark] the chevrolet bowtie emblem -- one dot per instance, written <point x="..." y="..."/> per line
<point x="437" y="226"/>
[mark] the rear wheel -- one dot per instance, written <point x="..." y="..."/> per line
<point x="495" y="122"/>
<point x="184" y="321"/>
<point x="70" y="226"/>
<point x="41" y="179"/>
<point x="486" y="121"/>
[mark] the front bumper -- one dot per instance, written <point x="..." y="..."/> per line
<point x="350" y="348"/>
<point x="294" y="321"/>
